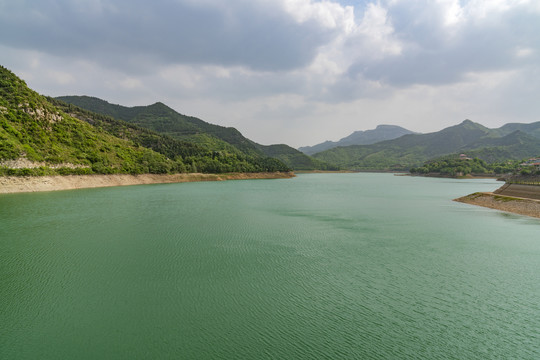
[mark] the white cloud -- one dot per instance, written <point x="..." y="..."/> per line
<point x="376" y="33"/>
<point x="330" y="14"/>
<point x="524" y="52"/>
<point x="452" y="12"/>
<point x="484" y="8"/>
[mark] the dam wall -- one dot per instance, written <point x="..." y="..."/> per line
<point x="520" y="191"/>
<point x="515" y="198"/>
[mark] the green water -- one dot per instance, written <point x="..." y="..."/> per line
<point x="341" y="266"/>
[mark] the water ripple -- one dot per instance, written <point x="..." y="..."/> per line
<point x="308" y="269"/>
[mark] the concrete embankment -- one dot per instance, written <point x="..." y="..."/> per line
<point x="520" y="191"/>
<point x="16" y="184"/>
<point x="514" y="198"/>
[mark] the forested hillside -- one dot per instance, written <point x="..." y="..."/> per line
<point x="455" y="166"/>
<point x="295" y="158"/>
<point x="532" y="129"/>
<point x="40" y="136"/>
<point x="164" y="120"/>
<point x="413" y="150"/>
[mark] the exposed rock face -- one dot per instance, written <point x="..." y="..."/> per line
<point x="42" y="114"/>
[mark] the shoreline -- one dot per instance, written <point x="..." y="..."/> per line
<point x="324" y="171"/>
<point x="22" y="184"/>
<point x="516" y="205"/>
<point x="464" y="177"/>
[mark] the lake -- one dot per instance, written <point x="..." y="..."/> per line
<point x="322" y="266"/>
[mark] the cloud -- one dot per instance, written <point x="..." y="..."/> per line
<point x="134" y="34"/>
<point x="331" y="15"/>
<point x="324" y="43"/>
<point x="442" y="41"/>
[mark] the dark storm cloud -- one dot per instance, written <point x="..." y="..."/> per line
<point x="125" y="33"/>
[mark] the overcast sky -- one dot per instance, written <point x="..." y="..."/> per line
<point x="287" y="71"/>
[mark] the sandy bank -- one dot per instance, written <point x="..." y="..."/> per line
<point x="516" y="205"/>
<point x="15" y="184"/>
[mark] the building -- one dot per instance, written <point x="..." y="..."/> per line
<point x="532" y="163"/>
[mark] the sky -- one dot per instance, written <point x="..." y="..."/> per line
<point x="297" y="72"/>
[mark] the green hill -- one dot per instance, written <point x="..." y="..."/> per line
<point x="413" y="150"/>
<point x="163" y="144"/>
<point x="294" y="158"/>
<point x="454" y="166"/>
<point x="532" y="129"/>
<point x="514" y="146"/>
<point x="48" y="136"/>
<point x="35" y="131"/>
<point x="164" y="120"/>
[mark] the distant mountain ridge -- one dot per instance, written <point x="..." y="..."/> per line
<point x="367" y="137"/>
<point x="532" y="129"/>
<point x="508" y="142"/>
<point x="162" y="119"/>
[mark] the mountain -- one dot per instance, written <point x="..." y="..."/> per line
<point x="380" y="133"/>
<point x="414" y="149"/>
<point x="532" y="129"/>
<point x="40" y="136"/>
<point x="36" y="133"/>
<point x="294" y="158"/>
<point x="514" y="146"/>
<point x="164" y="120"/>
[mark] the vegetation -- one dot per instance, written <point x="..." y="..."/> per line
<point x="62" y="139"/>
<point x="71" y="138"/>
<point x="525" y="179"/>
<point x="163" y="120"/>
<point x="412" y="151"/>
<point x="461" y="167"/>
<point x="294" y="158"/>
<point x="207" y="154"/>
<point x="34" y="129"/>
